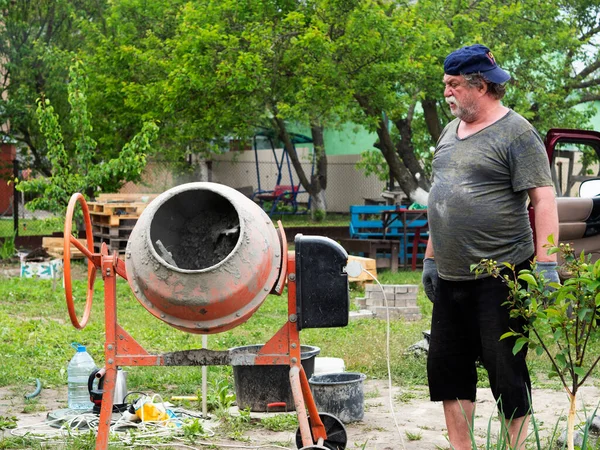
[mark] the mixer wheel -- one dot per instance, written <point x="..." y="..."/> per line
<point x="336" y="434"/>
<point x="88" y="252"/>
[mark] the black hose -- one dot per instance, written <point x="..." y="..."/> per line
<point x="38" y="389"/>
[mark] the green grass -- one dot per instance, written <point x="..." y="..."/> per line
<point x="303" y="220"/>
<point x="36" y="335"/>
<point x="32" y="227"/>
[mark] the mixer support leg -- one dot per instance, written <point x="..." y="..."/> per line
<point x="106" y="410"/>
<point x="296" y="386"/>
<point x="317" y="427"/>
<point x="110" y="350"/>
<point x="304" y="400"/>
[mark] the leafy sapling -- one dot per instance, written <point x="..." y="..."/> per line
<point x="560" y="319"/>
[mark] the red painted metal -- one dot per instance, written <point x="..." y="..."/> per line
<point x="121" y="349"/>
<point x="557" y="136"/>
<point x="68" y="239"/>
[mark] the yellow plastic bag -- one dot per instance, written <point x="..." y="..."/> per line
<point x="150" y="411"/>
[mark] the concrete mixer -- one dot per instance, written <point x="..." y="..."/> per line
<point x="202" y="257"/>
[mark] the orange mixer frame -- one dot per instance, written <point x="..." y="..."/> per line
<point x="121" y="349"/>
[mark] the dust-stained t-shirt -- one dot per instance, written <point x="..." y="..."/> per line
<point x="478" y="201"/>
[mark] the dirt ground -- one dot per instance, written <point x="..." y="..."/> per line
<point x="417" y="418"/>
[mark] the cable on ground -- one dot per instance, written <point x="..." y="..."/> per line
<point x="388" y="357"/>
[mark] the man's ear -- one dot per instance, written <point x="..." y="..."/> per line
<point x="484" y="88"/>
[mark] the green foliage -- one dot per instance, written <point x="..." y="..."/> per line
<point x="7" y="247"/>
<point x="561" y="320"/>
<point x="193" y="429"/>
<point x="212" y="70"/>
<point x="280" y="422"/>
<point x="78" y="168"/>
<point x="44" y="227"/>
<point x="413" y="436"/>
<point x="220" y="395"/>
<point x="7" y="422"/>
<point x="33" y="227"/>
<point x="235" y="426"/>
<point x="36" y="46"/>
<point x="372" y="162"/>
<point x="319" y="215"/>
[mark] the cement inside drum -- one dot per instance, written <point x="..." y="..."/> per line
<point x="195" y="229"/>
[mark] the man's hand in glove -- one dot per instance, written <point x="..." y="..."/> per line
<point x="430" y="278"/>
<point x="548" y="270"/>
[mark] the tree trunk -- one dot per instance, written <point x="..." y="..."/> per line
<point x="432" y="119"/>
<point x="406" y="151"/>
<point x="316" y="186"/>
<point x="571" y="422"/>
<point x="318" y="182"/>
<point x="398" y="169"/>
<point x="284" y="136"/>
<point x="318" y="207"/>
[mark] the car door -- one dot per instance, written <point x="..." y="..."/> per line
<point x="573" y="156"/>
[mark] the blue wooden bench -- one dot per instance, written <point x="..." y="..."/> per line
<point x="390" y="222"/>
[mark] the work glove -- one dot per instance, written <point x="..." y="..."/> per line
<point x="548" y="270"/>
<point x="430" y="278"/>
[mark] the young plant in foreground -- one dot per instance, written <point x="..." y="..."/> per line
<point x="560" y="320"/>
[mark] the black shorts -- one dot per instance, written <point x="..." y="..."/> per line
<point x="468" y="319"/>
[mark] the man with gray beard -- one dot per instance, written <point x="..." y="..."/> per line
<point x="488" y="163"/>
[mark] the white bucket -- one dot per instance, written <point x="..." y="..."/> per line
<point x="325" y="365"/>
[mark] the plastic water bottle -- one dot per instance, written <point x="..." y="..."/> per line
<point x="79" y="369"/>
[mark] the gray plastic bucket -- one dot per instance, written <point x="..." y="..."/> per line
<point x="340" y="394"/>
<point x="256" y="387"/>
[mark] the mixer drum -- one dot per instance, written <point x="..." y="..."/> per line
<point x="203" y="257"/>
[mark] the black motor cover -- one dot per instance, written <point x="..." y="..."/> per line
<point x="322" y="294"/>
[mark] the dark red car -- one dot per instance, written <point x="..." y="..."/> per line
<point x="573" y="158"/>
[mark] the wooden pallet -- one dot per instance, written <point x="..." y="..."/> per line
<point x="118" y="245"/>
<point x="118" y="209"/>
<point x="116" y="198"/>
<point x="55" y="247"/>
<point x="114" y="216"/>
<point x="368" y="264"/>
<point x="102" y="219"/>
<point x="112" y="232"/>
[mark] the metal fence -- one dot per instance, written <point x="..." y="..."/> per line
<point x="15" y="218"/>
<point x="346" y="184"/>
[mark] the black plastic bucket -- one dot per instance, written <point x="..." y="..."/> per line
<point x="258" y="386"/>
<point x="340" y="394"/>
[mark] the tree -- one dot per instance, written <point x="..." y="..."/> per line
<point x="561" y="320"/>
<point x="390" y="55"/>
<point x="77" y="167"/>
<point x="37" y="41"/>
<point x="238" y="64"/>
<point x="225" y="69"/>
<point x="211" y="70"/>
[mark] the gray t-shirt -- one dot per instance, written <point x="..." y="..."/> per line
<point x="478" y="202"/>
